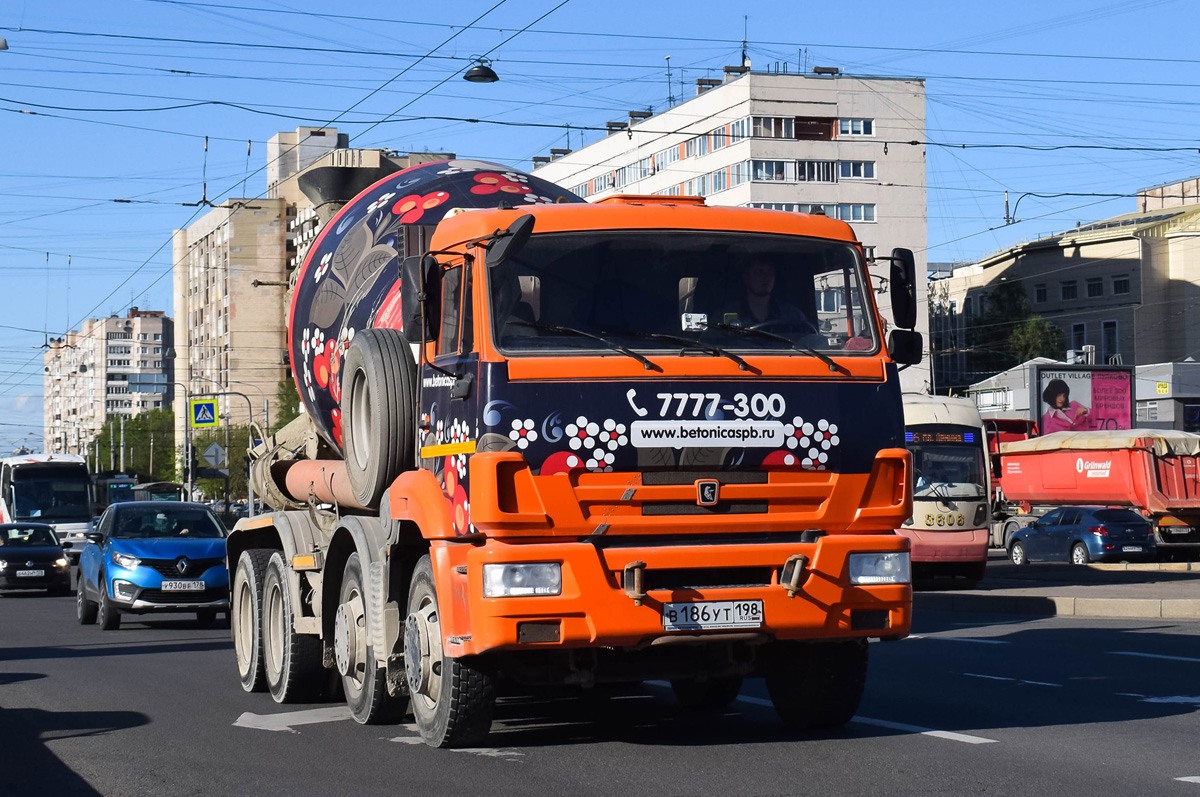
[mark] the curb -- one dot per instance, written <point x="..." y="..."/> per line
<point x="1140" y="608"/>
<point x="1149" y="567"/>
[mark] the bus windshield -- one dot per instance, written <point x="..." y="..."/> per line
<point x="49" y="493"/>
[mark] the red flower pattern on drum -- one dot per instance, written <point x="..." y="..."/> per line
<point x="413" y="207"/>
<point x="490" y="183"/>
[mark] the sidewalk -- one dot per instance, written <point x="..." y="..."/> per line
<point x="1168" y="591"/>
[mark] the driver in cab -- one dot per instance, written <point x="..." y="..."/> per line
<point x="758" y="306"/>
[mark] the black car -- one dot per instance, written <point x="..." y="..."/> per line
<point x="32" y="558"/>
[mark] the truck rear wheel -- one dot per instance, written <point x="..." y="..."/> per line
<point x="816" y="684"/>
<point x="291" y="661"/>
<point x="245" y="612"/>
<point x="452" y="699"/>
<point x="363" y="680"/>
<point x="379" y="407"/>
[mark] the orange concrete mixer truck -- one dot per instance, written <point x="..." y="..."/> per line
<point x="553" y="443"/>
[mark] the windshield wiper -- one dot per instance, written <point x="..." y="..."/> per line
<point x="695" y="345"/>
<point x="649" y="366"/>
<point x="833" y="366"/>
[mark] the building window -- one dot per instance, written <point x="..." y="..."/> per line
<point x="814" y="128"/>
<point x="815" y="171"/>
<point x="869" y="253"/>
<point x="1120" y="284"/>
<point x="856" y="170"/>
<point x="1147" y="410"/>
<point x="1095" y="287"/>
<point x="856" y="127"/>
<point x="1068" y="290"/>
<point x="1078" y="336"/>
<point x="769" y="170"/>
<point x="120" y="336"/>
<point x="774" y="127"/>
<point x="856" y="212"/>
<point x="1108" y="339"/>
<point x="158" y="336"/>
<point x="1039" y="294"/>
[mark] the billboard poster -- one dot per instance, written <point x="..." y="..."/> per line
<point x="1082" y="398"/>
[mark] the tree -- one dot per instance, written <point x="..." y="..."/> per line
<point x="287" y="403"/>
<point x="1003" y="308"/>
<point x="147" y="434"/>
<point x="1037" y="337"/>
<point x="235" y="446"/>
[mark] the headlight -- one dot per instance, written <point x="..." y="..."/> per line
<point x="3" y="564"/>
<point x="61" y="561"/>
<point x="125" y="560"/>
<point x="879" y="568"/>
<point x="509" y="581"/>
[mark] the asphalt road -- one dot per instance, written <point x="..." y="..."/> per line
<point x="971" y="704"/>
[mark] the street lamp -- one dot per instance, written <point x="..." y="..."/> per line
<point x="482" y="72"/>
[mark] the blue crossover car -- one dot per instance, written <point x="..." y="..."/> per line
<point x="153" y="556"/>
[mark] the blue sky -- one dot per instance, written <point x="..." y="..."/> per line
<point x="1106" y="88"/>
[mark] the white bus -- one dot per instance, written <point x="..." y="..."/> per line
<point x="49" y="488"/>
<point x="949" y="524"/>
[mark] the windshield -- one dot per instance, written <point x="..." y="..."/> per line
<point x="51" y="493"/>
<point x="948" y="471"/>
<point x="29" y="537"/>
<point x="145" y="523"/>
<point x="120" y="492"/>
<point x="647" y="290"/>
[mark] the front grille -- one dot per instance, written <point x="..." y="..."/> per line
<point x="692" y="508"/>
<point x="201" y="596"/>
<point x="655" y="477"/>
<point x="196" y="567"/>
<point x="707" y="578"/>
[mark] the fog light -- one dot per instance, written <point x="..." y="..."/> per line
<point x="510" y="581"/>
<point x="124" y="590"/>
<point x="880" y="568"/>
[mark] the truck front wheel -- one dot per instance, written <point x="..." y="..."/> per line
<point x="452" y="699"/>
<point x="363" y="680"/>
<point x="816" y="684"/>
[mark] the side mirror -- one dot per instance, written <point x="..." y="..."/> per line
<point x="419" y="308"/>
<point x="905" y="346"/>
<point x="904" y="288"/>
<point x="95" y="536"/>
<point x="511" y="241"/>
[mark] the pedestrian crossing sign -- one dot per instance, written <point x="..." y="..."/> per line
<point x="203" y="413"/>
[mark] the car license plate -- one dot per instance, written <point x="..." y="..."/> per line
<point x="1131" y="549"/>
<point x="30" y="573"/>
<point x="183" y="586"/>
<point x="707" y="615"/>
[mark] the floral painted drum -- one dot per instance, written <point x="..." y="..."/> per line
<point x="350" y="277"/>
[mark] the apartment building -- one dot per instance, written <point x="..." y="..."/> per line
<point x="111" y="367"/>
<point x="818" y="143"/>
<point x="1127" y="285"/>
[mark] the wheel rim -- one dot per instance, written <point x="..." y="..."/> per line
<point x="273" y="639"/>
<point x="1079" y="555"/>
<point x="103" y="612"/>
<point x="79" y="600"/>
<point x="350" y="640"/>
<point x="244" y="623"/>
<point x="423" y="646"/>
<point x="1018" y="554"/>
<point x="360" y="418"/>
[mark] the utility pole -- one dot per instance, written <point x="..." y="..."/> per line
<point x="122" y="444"/>
<point x="112" y="451"/>
<point x="152" y="456"/>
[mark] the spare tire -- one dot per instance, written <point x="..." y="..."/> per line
<point x="379" y="405"/>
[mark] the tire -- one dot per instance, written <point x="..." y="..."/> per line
<point x="1016" y="553"/>
<point x="1079" y="554"/>
<point x="816" y="685"/>
<point x="206" y="617"/>
<point x="291" y="661"/>
<point x="364" y="682"/>
<point x="452" y="699"/>
<point x="85" y="610"/>
<point x="245" y="609"/>
<point x="108" y="616"/>
<point x="378" y="412"/>
<point x="1009" y="530"/>
<point x="709" y="695"/>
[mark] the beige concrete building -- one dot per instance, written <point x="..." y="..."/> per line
<point x="1128" y="286"/>
<point x="796" y="143"/>
<point x="234" y="265"/>
<point x="111" y="367"/>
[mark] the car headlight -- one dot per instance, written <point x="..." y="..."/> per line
<point x="509" y="581"/>
<point x="880" y="568"/>
<point x="61" y="561"/>
<point x="3" y="564"/>
<point x="125" y="560"/>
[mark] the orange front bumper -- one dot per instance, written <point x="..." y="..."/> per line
<point x="595" y="611"/>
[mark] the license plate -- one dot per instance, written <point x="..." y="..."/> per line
<point x="30" y="573"/>
<point x="183" y="586"/>
<point x="708" y="615"/>
<point x="1131" y="549"/>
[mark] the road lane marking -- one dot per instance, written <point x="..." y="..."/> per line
<point x="284" y="721"/>
<point x="1152" y="656"/>
<point x="1190" y="779"/>
<point x="970" y="639"/>
<point x="894" y="726"/>
<point x="1011" y="680"/>
<point x="1193" y="700"/>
